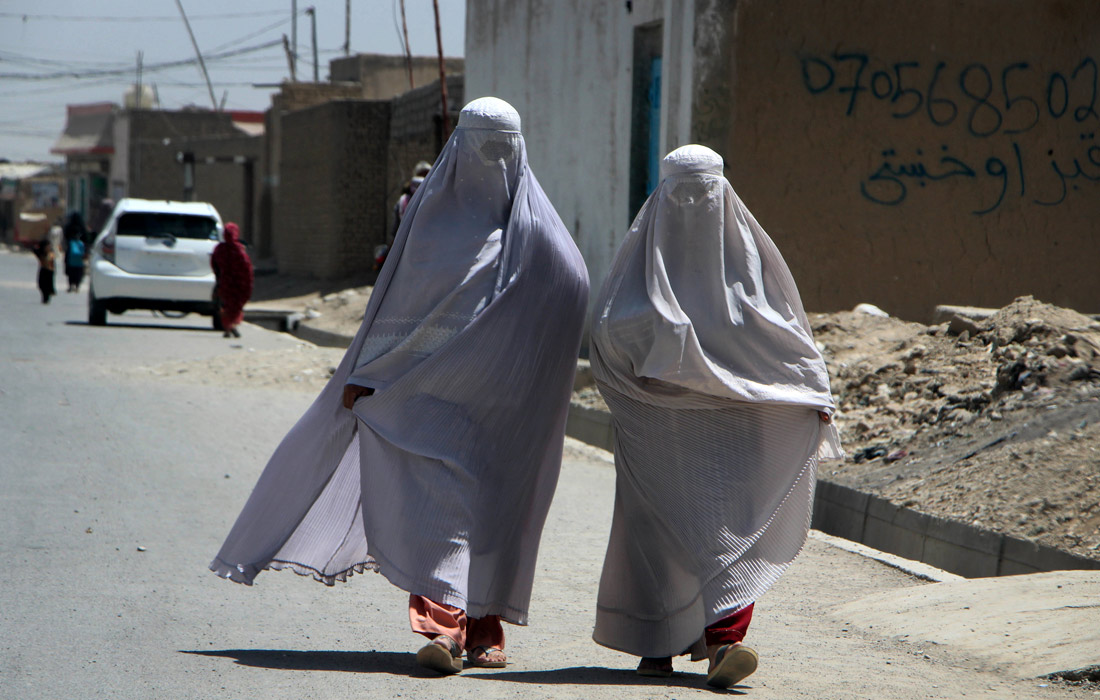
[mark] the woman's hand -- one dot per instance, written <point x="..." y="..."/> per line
<point x="825" y="417"/>
<point x="353" y="392"/>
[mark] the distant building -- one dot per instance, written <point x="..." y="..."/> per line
<point x="88" y="144"/>
<point x="32" y="198"/>
<point x="139" y="151"/>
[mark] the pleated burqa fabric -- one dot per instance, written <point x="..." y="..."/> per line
<point x="440" y="480"/>
<point x="703" y="352"/>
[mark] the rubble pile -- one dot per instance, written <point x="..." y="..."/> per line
<point x="995" y="420"/>
<point x="893" y="379"/>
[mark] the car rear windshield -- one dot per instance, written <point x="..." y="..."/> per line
<point x="155" y="224"/>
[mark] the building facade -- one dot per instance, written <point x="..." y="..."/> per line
<point x="906" y="154"/>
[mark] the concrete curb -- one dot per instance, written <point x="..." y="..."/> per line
<point x="866" y="519"/>
<point x="292" y="322"/>
<point x="318" y="336"/>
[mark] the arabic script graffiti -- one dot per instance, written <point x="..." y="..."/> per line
<point x="1005" y="101"/>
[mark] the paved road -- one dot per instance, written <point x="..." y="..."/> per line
<point x="117" y="490"/>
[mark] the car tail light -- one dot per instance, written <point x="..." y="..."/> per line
<point x="107" y="248"/>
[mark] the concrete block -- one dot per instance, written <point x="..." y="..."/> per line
<point x="894" y="529"/>
<point x="959" y="559"/>
<point x="591" y="426"/>
<point x="966" y="536"/>
<point x="839" y="510"/>
<point x="1018" y="553"/>
<point x="834" y="519"/>
<point x="1008" y="567"/>
<point x="899" y="516"/>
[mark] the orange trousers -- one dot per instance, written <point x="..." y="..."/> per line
<point x="432" y="619"/>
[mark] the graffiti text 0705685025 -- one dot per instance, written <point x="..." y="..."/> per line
<point x="996" y="104"/>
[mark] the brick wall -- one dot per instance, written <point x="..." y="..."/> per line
<point x="416" y="133"/>
<point x="330" y="211"/>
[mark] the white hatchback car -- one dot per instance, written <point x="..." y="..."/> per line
<point x="154" y="254"/>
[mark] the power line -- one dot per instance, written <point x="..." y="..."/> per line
<point x="103" y="18"/>
<point x="62" y="75"/>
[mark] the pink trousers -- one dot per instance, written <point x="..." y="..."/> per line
<point x="432" y="619"/>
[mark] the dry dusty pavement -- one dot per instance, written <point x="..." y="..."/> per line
<point x="119" y="481"/>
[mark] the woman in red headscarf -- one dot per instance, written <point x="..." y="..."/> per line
<point x="233" y="271"/>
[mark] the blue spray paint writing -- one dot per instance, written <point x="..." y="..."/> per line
<point x="988" y="101"/>
<point x="889" y="184"/>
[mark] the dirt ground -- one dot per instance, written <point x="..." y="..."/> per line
<point x="994" y="422"/>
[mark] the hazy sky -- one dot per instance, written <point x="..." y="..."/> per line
<point x="44" y="42"/>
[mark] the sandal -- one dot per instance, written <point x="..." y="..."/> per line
<point x="480" y="657"/>
<point x="655" y="667"/>
<point x="732" y="664"/>
<point x="442" y="655"/>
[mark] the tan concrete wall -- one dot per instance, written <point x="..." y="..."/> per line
<point x="912" y="153"/>
<point x="384" y="76"/>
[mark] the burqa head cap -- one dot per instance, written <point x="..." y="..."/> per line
<point x="692" y="158"/>
<point x="489" y="113"/>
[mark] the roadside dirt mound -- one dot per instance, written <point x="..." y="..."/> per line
<point x="995" y="422"/>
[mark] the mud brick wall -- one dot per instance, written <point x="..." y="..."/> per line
<point x="331" y="208"/>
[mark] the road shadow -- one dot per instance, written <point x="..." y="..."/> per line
<point x="404" y="664"/>
<point x="594" y="675"/>
<point x="152" y="325"/>
<point x="392" y="662"/>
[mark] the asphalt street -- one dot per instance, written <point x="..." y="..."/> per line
<point x="117" y="490"/>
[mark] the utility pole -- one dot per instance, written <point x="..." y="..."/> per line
<point x="289" y="59"/>
<point x="442" y="74"/>
<point x="347" y="27"/>
<point x="312" y="12"/>
<point x="294" y="38"/>
<point x="202" y="63"/>
<point x="408" y="51"/>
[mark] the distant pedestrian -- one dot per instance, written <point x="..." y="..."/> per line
<point x="420" y="172"/>
<point x="44" y="252"/>
<point x="433" y="453"/>
<point x="234" y="275"/>
<point x="75" y="250"/>
<point x="721" y="407"/>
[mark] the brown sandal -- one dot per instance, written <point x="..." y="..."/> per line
<point x="479" y="657"/>
<point x="442" y="655"/>
<point x="732" y="664"/>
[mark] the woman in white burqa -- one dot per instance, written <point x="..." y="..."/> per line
<point x="721" y="406"/>
<point x="441" y="473"/>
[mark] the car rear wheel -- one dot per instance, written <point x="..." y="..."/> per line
<point x="97" y="311"/>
